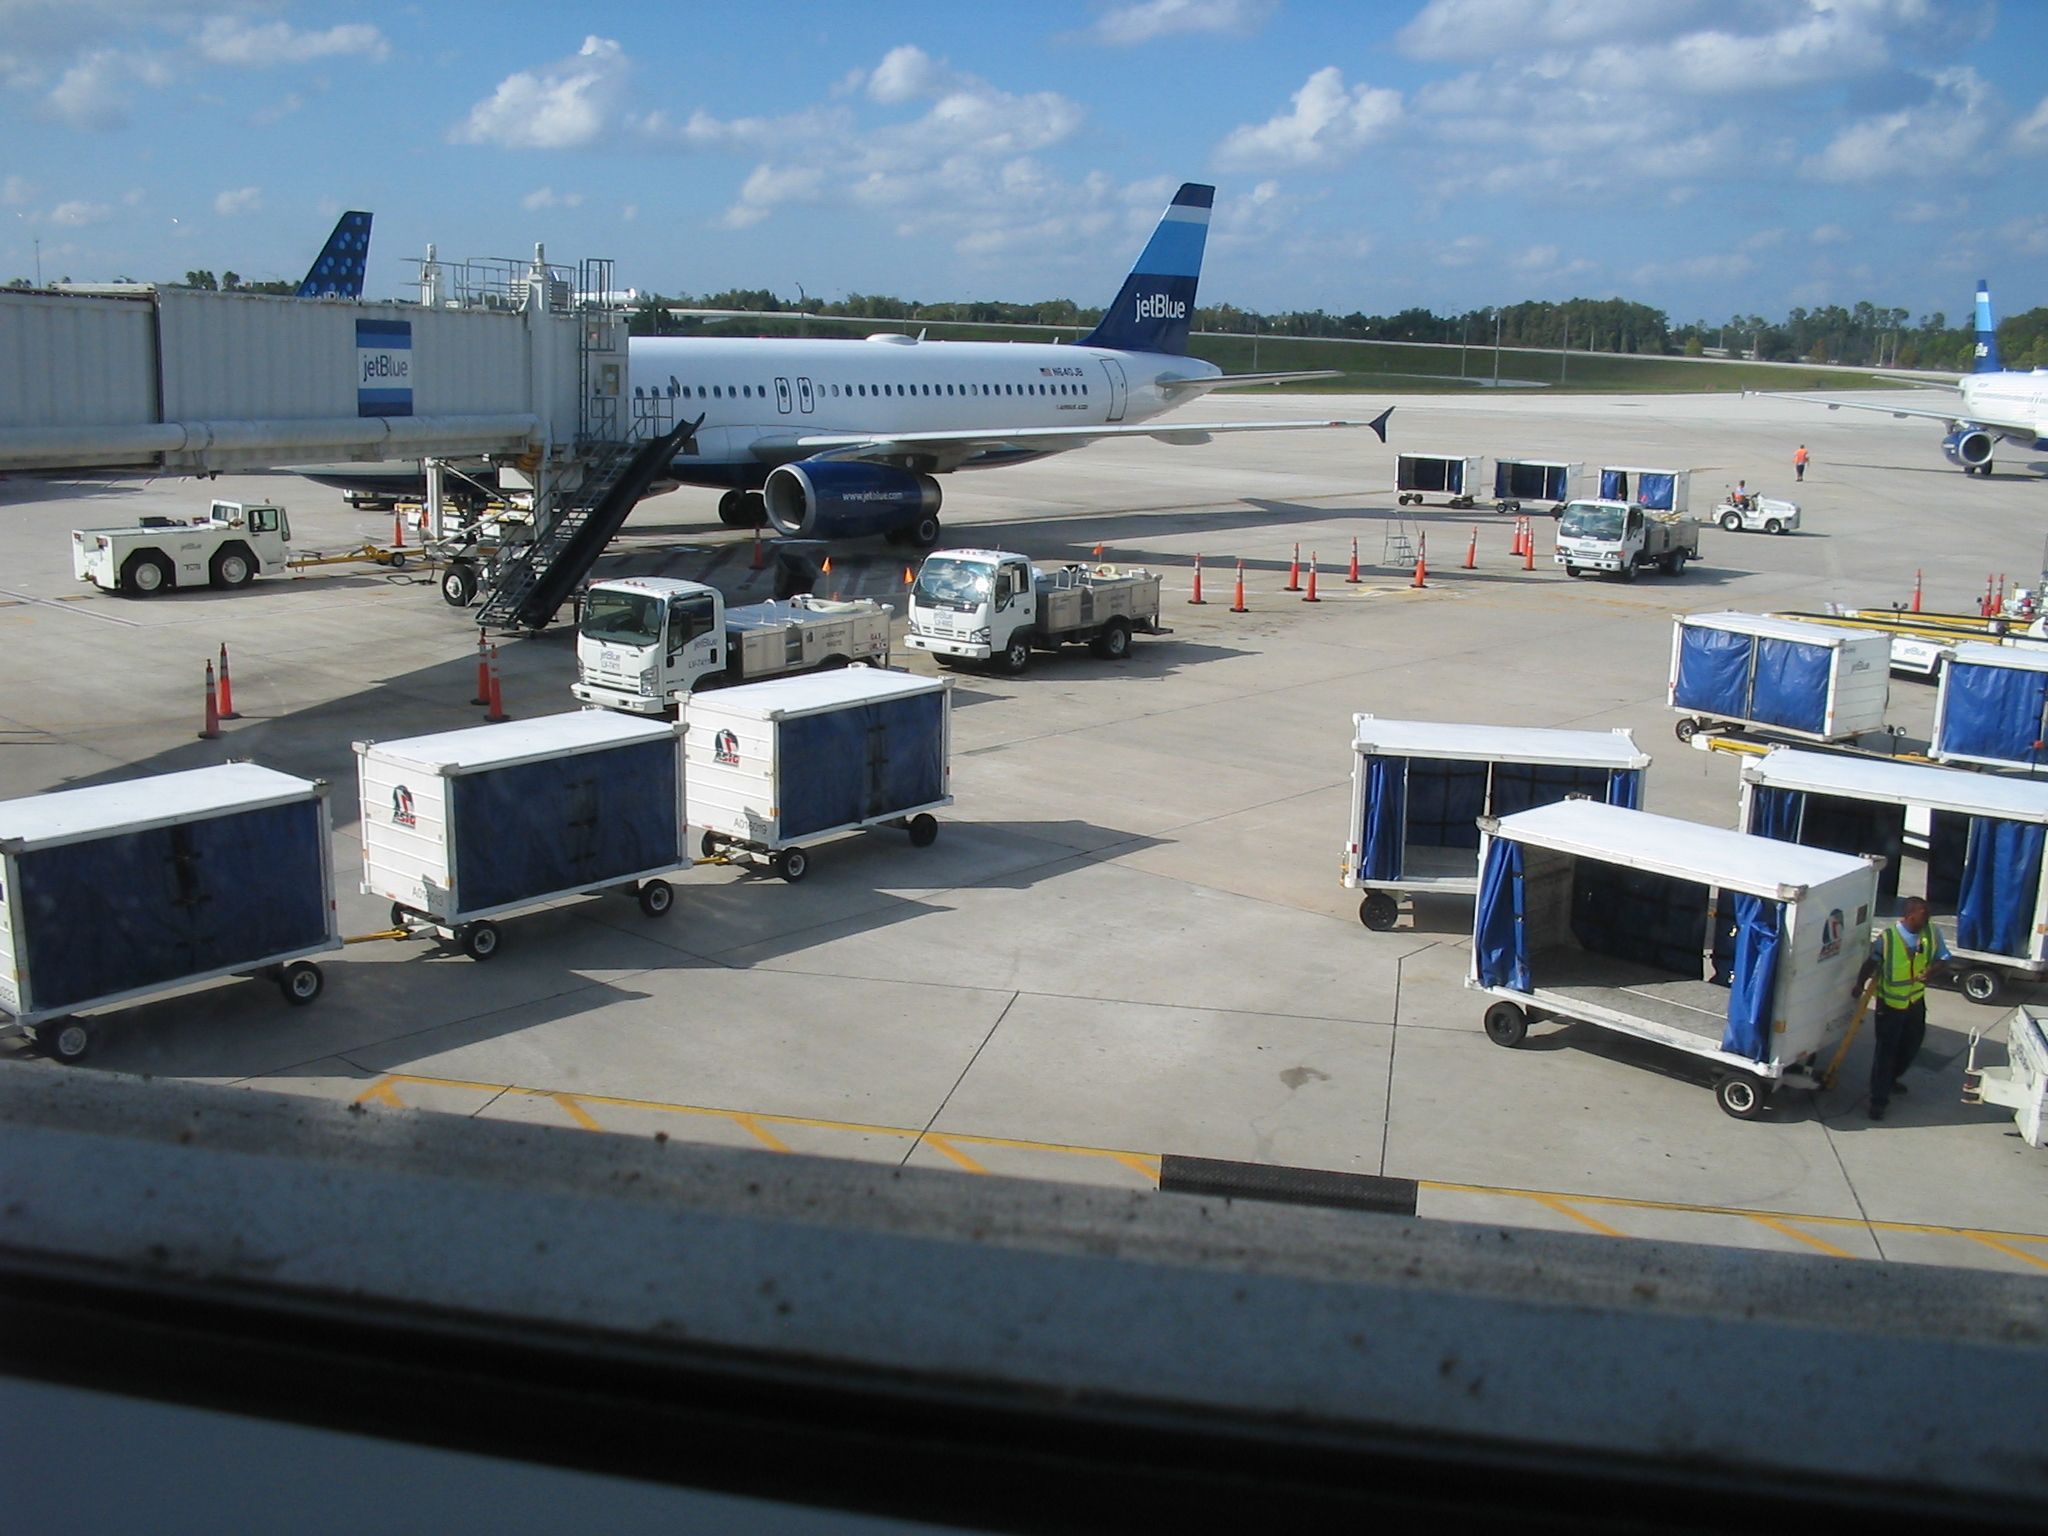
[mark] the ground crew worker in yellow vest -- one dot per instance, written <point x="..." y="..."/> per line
<point x="1905" y="954"/>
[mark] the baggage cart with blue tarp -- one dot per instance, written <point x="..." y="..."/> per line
<point x="1739" y="950"/>
<point x="1455" y="475"/>
<point x="778" y="765"/>
<point x="461" y="828"/>
<point x="1661" y="490"/>
<point x="1418" y="789"/>
<point x="118" y="892"/>
<point x="1545" y="481"/>
<point x="1992" y="708"/>
<point x="1816" y="682"/>
<point x="1982" y="837"/>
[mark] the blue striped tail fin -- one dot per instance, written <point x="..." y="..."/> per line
<point x="1987" y="333"/>
<point x="1153" y="311"/>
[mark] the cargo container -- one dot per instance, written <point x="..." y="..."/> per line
<point x="1815" y="682"/>
<point x="777" y="765"/>
<point x="1458" y="476"/>
<point x="1545" y="481"/>
<point x="1661" y="490"/>
<point x="464" y="827"/>
<point x="1982" y="837"/>
<point x="2021" y="1085"/>
<point x="1418" y="789"/>
<point x="1739" y="950"/>
<point x="1992" y="707"/>
<point x="121" y="891"/>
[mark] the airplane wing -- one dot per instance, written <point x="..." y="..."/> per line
<point x="1187" y="388"/>
<point x="1900" y="411"/>
<point x="940" y="452"/>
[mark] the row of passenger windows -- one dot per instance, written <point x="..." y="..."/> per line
<point x="863" y="391"/>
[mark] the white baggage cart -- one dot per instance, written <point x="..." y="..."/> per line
<point x="1992" y="707"/>
<point x="1813" y="682"/>
<point x="1741" y="951"/>
<point x="1418" y="789"/>
<point x="2021" y="1085"/>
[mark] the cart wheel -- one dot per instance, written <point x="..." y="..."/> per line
<point x="924" y="830"/>
<point x="301" y="982"/>
<point x="1741" y="1095"/>
<point x="1732" y="521"/>
<point x="792" y="864"/>
<point x="709" y="844"/>
<point x="656" y="897"/>
<point x="1686" y="729"/>
<point x="1774" y="526"/>
<point x="1379" y="911"/>
<point x="1506" y="1024"/>
<point x="1982" y="986"/>
<point x="479" y="941"/>
<point x="68" y="1041"/>
<point x="400" y="914"/>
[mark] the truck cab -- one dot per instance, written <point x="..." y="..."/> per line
<point x="644" y="639"/>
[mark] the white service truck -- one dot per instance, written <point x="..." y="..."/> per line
<point x="646" y="641"/>
<point x="1756" y="514"/>
<point x="988" y="604"/>
<point x="1621" y="537"/>
<point x="229" y="547"/>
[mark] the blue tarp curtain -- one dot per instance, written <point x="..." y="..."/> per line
<point x="1386" y="817"/>
<point x="1499" y="939"/>
<point x="1653" y="919"/>
<point x="1758" y="923"/>
<point x="1613" y="485"/>
<point x="1445" y="799"/>
<point x="1713" y="671"/>
<point x="1993" y="712"/>
<point x="1791" y="685"/>
<point x="1625" y="788"/>
<point x="1657" y="491"/>
<point x="1426" y="472"/>
<point x="1775" y="812"/>
<point x="532" y="829"/>
<point x="844" y="766"/>
<point x="2001" y="878"/>
<point x="1528" y="482"/>
<point x="141" y="909"/>
<point x="1523" y="786"/>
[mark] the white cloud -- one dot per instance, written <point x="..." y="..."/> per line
<point x="630" y="212"/>
<point x="1763" y="240"/>
<point x="2029" y="236"/>
<point x="565" y="105"/>
<point x="15" y="190"/>
<point x="232" y="41"/>
<point x="277" y="111"/>
<point x="75" y="215"/>
<point x="1327" y="123"/>
<point x="94" y="92"/>
<point x="1730" y="264"/>
<point x="1463" y="251"/>
<point x="1939" y="134"/>
<point x="1829" y="234"/>
<point x="1456" y="30"/>
<point x="548" y="197"/>
<point x="240" y="200"/>
<point x="768" y="188"/>
<point x="702" y="131"/>
<point x="906" y="73"/>
<point x="2030" y="136"/>
<point x="1127" y="25"/>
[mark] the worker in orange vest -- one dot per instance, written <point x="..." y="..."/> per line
<point x="1799" y="463"/>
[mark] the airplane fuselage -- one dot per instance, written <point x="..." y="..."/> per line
<point x="2015" y="405"/>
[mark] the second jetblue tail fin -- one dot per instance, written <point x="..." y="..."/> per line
<point x="337" y="272"/>
<point x="1987" y="333"/>
<point x="1157" y="303"/>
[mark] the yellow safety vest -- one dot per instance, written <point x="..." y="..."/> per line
<point x="1902" y="978"/>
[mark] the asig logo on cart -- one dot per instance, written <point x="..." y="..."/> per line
<point x="1831" y="935"/>
<point x="401" y="808"/>
<point x="725" y="748"/>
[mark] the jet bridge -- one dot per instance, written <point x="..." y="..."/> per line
<point x="519" y="360"/>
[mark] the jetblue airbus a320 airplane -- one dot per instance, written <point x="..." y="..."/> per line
<point x="844" y="439"/>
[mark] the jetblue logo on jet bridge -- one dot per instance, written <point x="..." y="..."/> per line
<point x="1157" y="306"/>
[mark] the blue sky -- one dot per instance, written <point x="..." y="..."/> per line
<point x="1703" y="156"/>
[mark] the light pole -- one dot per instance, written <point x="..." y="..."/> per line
<point x="1464" y="326"/>
<point x="1565" y="352"/>
<point x="1496" y="349"/>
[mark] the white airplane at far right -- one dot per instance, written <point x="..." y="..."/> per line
<point x="1996" y="405"/>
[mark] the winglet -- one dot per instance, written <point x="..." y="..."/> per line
<point x="1379" y="423"/>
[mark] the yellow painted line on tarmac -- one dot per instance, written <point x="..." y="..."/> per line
<point x="2009" y="1249"/>
<point x="1565" y="1208"/>
<point x="380" y="1092"/>
<point x="945" y="1149"/>
<point x="575" y="1111"/>
<point x="1805" y="1237"/>
<point x="760" y="1132"/>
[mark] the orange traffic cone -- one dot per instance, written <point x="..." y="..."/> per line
<point x="909" y="576"/>
<point x="483" y="671"/>
<point x="1472" y="550"/>
<point x="398" y="530"/>
<point x="1237" y="602"/>
<point x="211" y="730"/>
<point x="1311" y="598"/>
<point x="227" y="688"/>
<point x="757" y="550"/>
<point x="1422" y="562"/>
<point x="1515" y="538"/>
<point x="1294" y="572"/>
<point x="1196" y="599"/>
<point x="1529" y="548"/>
<point x="1352" y="579"/>
<point x="497" y="709"/>
<point x="1916" y="592"/>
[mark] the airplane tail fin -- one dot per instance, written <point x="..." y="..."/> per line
<point x="1157" y="303"/>
<point x="1987" y="333"/>
<point x="337" y="272"/>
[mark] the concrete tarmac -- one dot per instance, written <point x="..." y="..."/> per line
<point x="1131" y="937"/>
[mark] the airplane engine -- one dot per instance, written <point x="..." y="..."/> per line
<point x="1968" y="446"/>
<point x="825" y="499"/>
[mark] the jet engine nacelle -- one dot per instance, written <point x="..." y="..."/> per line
<point x="1968" y="446"/>
<point x="825" y="499"/>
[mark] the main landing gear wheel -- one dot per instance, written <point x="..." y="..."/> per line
<point x="924" y="830"/>
<point x="1379" y="911"/>
<point x="300" y="982"/>
<point x="1506" y="1024"/>
<point x="479" y="941"/>
<point x="792" y="864"/>
<point x="1982" y="986"/>
<point x="1741" y="1095"/>
<point x="656" y="897"/>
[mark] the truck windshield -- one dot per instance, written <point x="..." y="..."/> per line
<point x="1582" y="520"/>
<point x="954" y="583"/>
<point x="623" y="618"/>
